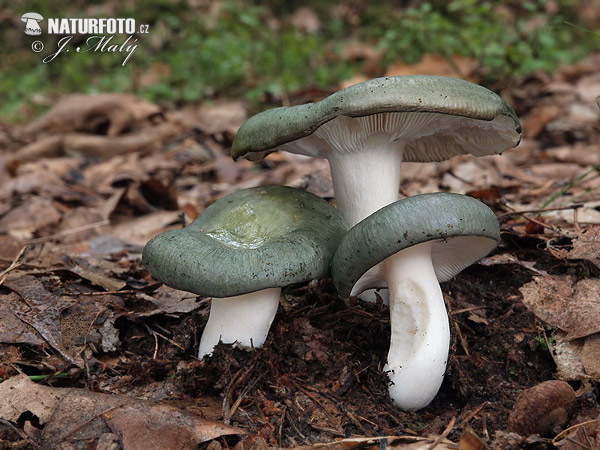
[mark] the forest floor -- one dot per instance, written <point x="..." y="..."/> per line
<point x="94" y="353"/>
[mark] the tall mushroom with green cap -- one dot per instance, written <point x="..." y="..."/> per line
<point x="241" y="251"/>
<point x="367" y="130"/>
<point x="410" y="246"/>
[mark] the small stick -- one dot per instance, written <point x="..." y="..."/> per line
<point x="461" y="338"/>
<point x="100" y="311"/>
<point x="442" y="436"/>
<point x="537" y="211"/>
<point x="319" y="404"/>
<point x="13" y="265"/>
<point x="109" y="292"/>
<point x="155" y="346"/>
<point x="464" y="310"/>
<point x="87" y="422"/>
<point x="246" y="389"/>
<point x="280" y="431"/>
<point x="19" y="432"/>
<point x="89" y="226"/>
<point x="564" y="433"/>
<point x="473" y="414"/>
<point x="170" y="341"/>
<point x="294" y="426"/>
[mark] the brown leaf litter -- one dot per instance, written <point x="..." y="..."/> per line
<point x="73" y="417"/>
<point x="85" y="186"/>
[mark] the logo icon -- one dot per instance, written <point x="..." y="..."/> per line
<point x="32" y="23"/>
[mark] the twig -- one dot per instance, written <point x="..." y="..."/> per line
<point x="564" y="434"/>
<point x="240" y="374"/>
<point x="155" y="346"/>
<point x="319" y="404"/>
<point x="100" y="311"/>
<point x="442" y="436"/>
<point x="156" y="335"/>
<point x="549" y="227"/>
<point x="91" y="419"/>
<point x="19" y="432"/>
<point x="464" y="310"/>
<point x="473" y="414"/>
<point x="246" y="389"/>
<point x="461" y="338"/>
<point x="13" y="265"/>
<point x="280" y="431"/>
<point x="355" y="421"/>
<point x="537" y="211"/>
<point x="294" y="426"/>
<point x="169" y="340"/>
<point x="89" y="226"/>
<point x="569" y="185"/>
<point x="109" y="292"/>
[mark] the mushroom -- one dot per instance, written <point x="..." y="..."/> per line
<point x="32" y="26"/>
<point x="410" y="246"/>
<point x="367" y="130"/>
<point x="241" y="251"/>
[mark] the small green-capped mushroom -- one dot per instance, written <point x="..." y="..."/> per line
<point x="410" y="246"/>
<point x="367" y="130"/>
<point x="241" y="251"/>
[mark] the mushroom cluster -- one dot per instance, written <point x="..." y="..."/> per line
<point x="365" y="132"/>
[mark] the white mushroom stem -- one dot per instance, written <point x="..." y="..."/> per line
<point x="244" y="319"/>
<point x="365" y="181"/>
<point x="420" y="335"/>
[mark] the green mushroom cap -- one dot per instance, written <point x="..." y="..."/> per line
<point x="464" y="229"/>
<point x="273" y="128"/>
<point x="249" y="240"/>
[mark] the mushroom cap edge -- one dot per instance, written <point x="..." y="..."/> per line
<point x="262" y="133"/>
<point x="427" y="217"/>
<point x="186" y="259"/>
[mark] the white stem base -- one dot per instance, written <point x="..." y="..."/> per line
<point x="244" y="319"/>
<point x="420" y="336"/>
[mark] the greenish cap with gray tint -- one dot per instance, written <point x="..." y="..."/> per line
<point x="465" y="230"/>
<point x="270" y="129"/>
<point x="249" y="240"/>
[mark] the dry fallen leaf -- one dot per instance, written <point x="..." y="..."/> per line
<point x="581" y="436"/>
<point x="148" y="139"/>
<point x="587" y="246"/>
<point x="590" y="356"/>
<point x="99" y="272"/>
<point x="507" y="258"/>
<point x="567" y="356"/>
<point x="142" y="229"/>
<point x="81" y="112"/>
<point x="454" y="66"/>
<point x="76" y="417"/>
<point x="538" y="118"/>
<point x="33" y="215"/>
<point x="558" y="301"/>
<point x="388" y="442"/>
<point x="19" y="394"/>
<point x="41" y="310"/>
<point x="221" y="117"/>
<point x="12" y="329"/>
<point x="167" y="300"/>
